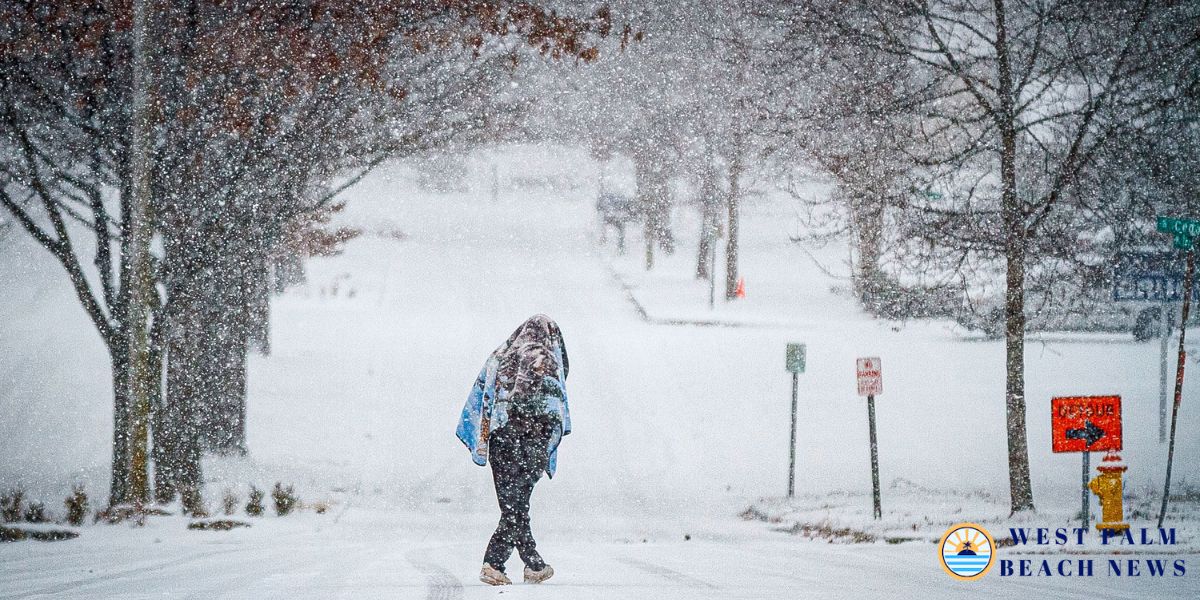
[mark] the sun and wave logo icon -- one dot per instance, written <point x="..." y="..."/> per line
<point x="967" y="551"/>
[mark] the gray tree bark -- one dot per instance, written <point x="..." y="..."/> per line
<point x="710" y="220"/>
<point x="1021" y="490"/>
<point x="733" y="204"/>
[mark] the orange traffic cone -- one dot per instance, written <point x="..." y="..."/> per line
<point x="741" y="288"/>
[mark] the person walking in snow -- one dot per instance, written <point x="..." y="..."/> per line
<point x="516" y="414"/>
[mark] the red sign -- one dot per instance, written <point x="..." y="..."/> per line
<point x="870" y="376"/>
<point x="1085" y="423"/>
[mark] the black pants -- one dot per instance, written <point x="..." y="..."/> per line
<point x="518" y="455"/>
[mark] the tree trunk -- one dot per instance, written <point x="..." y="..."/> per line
<point x="288" y="270"/>
<point x="208" y="395"/>
<point x="646" y="204"/>
<point x="118" y="350"/>
<point x="163" y="445"/>
<point x="707" y="239"/>
<point x="259" y="287"/>
<point x="119" y="491"/>
<point x="185" y="381"/>
<point x="654" y="199"/>
<point x="145" y="376"/>
<point x="731" y="242"/>
<point x="221" y="341"/>
<point x="1014" y="346"/>
<point x="710" y="221"/>
<point x="225" y="392"/>
<point x="867" y="213"/>
<point x="1020" y="488"/>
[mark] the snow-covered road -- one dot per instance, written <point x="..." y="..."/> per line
<point x="434" y="555"/>
<point x="676" y="431"/>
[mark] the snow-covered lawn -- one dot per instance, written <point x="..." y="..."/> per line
<point x="941" y="416"/>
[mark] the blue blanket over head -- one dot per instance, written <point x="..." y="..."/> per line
<point x="486" y="410"/>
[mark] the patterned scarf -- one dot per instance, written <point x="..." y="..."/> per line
<point x="527" y="357"/>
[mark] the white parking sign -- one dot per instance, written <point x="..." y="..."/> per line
<point x="870" y="376"/>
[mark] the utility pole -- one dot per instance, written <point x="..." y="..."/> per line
<point x="140" y="377"/>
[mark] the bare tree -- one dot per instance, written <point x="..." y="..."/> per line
<point x="1014" y="100"/>
<point x="256" y="111"/>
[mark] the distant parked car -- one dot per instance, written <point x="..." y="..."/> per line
<point x="1095" y="313"/>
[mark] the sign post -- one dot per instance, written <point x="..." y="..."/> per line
<point x="795" y="365"/>
<point x="1085" y="509"/>
<point x="1085" y="424"/>
<point x="1154" y="276"/>
<point x="870" y="384"/>
<point x="1185" y="232"/>
<point x="1168" y="325"/>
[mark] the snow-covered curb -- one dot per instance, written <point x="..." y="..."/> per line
<point x="912" y="513"/>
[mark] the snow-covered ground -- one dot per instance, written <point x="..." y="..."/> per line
<point x="678" y="428"/>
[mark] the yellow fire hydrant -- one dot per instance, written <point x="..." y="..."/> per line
<point x="1108" y="488"/>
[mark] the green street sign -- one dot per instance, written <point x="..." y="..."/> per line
<point x="1184" y="230"/>
<point x="795" y="358"/>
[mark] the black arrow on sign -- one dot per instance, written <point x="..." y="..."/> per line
<point x="1089" y="433"/>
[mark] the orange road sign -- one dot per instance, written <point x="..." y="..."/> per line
<point x="1085" y="423"/>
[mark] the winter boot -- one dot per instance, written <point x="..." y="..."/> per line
<point x="532" y="576"/>
<point x="493" y="576"/>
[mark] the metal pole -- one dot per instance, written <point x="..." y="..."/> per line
<point x="874" y="457"/>
<point x="1086" y="511"/>
<point x="792" y="451"/>
<point x="712" y="271"/>
<point x="1187" y="303"/>
<point x="1168" y="325"/>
